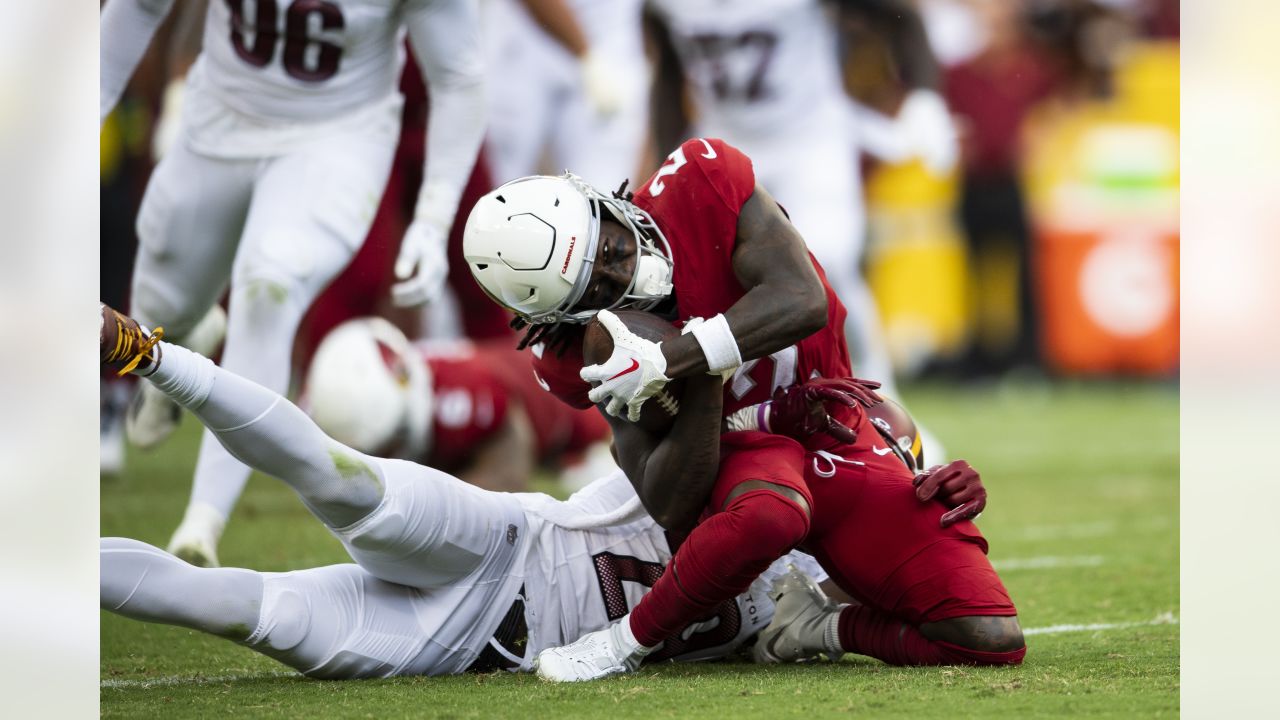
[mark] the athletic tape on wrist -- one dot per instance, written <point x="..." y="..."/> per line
<point x="718" y="345"/>
<point x="747" y="418"/>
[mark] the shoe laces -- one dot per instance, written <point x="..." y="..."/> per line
<point x="126" y="339"/>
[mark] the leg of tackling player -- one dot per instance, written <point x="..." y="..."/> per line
<point x="402" y="522"/>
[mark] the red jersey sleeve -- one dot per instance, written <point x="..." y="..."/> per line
<point x="557" y="373"/>
<point x="728" y="172"/>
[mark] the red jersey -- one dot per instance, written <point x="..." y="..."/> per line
<point x="475" y="387"/>
<point x="695" y="198"/>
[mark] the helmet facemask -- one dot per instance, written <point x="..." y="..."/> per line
<point x="650" y="280"/>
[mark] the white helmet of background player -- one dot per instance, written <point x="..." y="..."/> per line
<point x="369" y="389"/>
<point x="531" y="244"/>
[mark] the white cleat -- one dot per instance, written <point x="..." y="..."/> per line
<point x="196" y="539"/>
<point x="804" y="622"/>
<point x="152" y="416"/>
<point x="596" y="655"/>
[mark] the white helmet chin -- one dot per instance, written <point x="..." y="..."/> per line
<point x="531" y="244"/>
<point x="369" y="389"/>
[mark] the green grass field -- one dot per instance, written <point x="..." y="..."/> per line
<point x="1083" y="525"/>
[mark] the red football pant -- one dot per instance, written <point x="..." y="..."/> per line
<point x="886" y="548"/>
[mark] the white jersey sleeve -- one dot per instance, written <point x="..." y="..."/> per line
<point x="580" y="581"/>
<point x="445" y="35"/>
<point x="275" y="74"/>
<point x="125" y="32"/>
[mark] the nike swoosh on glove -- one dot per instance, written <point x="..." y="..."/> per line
<point x="635" y="371"/>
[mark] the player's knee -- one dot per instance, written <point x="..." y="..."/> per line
<point x="776" y="520"/>
<point x="263" y="305"/>
<point x="981" y="639"/>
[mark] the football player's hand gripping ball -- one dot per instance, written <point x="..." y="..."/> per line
<point x="422" y="264"/>
<point x="955" y="484"/>
<point x="635" y="371"/>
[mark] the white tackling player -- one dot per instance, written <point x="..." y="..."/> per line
<point x="288" y="127"/>
<point x="448" y="577"/>
<point x="765" y="75"/>
<point x="579" y="96"/>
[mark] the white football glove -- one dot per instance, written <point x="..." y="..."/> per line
<point x="422" y="265"/>
<point x="635" y="371"/>
<point x="600" y="83"/>
<point x="927" y="124"/>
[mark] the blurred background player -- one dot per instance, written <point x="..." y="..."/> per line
<point x="567" y="88"/>
<point x="472" y="409"/>
<point x="766" y="76"/>
<point x="286" y="137"/>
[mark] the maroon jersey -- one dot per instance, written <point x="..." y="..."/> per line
<point x="475" y="387"/>
<point x="695" y="198"/>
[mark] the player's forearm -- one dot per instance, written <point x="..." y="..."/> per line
<point x="907" y="39"/>
<point x="555" y="18"/>
<point x="446" y="42"/>
<point x="126" y="30"/>
<point x="455" y="129"/>
<point x="667" y="118"/>
<point x="681" y="471"/>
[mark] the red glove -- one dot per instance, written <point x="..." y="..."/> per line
<point x="956" y="485"/>
<point x="861" y="390"/>
<point x="799" y="411"/>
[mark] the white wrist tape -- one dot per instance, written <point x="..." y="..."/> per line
<point x="751" y="417"/>
<point x="718" y="345"/>
<point x="746" y="418"/>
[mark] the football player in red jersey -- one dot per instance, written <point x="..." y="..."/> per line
<point x="472" y="409"/>
<point x="703" y="245"/>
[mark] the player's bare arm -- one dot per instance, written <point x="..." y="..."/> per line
<point x="901" y="22"/>
<point x="785" y="301"/>
<point x="674" y="474"/>
<point x="667" y="118"/>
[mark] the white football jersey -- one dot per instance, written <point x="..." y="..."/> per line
<point x="579" y="581"/>
<point x="303" y="60"/>
<point x="755" y="66"/>
<point x="273" y="73"/>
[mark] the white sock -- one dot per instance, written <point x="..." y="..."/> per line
<point x="630" y="645"/>
<point x="184" y="376"/>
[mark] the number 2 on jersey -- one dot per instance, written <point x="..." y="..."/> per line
<point x="675" y="161"/>
<point x="300" y="60"/>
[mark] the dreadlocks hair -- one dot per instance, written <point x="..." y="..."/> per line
<point x="556" y="337"/>
<point x="621" y="193"/>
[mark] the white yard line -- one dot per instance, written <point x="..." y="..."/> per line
<point x="1161" y="619"/>
<point x="1080" y="531"/>
<point x="1045" y="562"/>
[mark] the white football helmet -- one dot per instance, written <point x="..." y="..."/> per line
<point x="531" y="245"/>
<point x="369" y="389"/>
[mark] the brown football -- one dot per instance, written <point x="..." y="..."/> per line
<point x="658" y="412"/>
